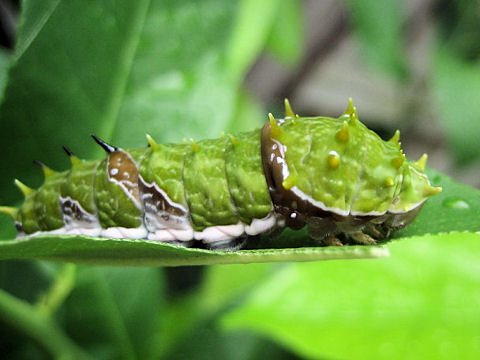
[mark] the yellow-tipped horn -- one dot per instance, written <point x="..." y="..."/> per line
<point x="433" y="190"/>
<point x="23" y="188"/>
<point x="353" y="116"/>
<point x="389" y="181"/>
<point x="73" y="159"/>
<point x="272" y="120"/>
<point x="233" y="139"/>
<point x="10" y="211"/>
<point x="288" y="109"/>
<point x="289" y="182"/>
<point x="351" y="111"/>
<point x="275" y="130"/>
<point x="395" y="138"/>
<point x="350" y="107"/>
<point x="47" y="172"/>
<point x="194" y="145"/>
<point x="398" y="161"/>
<point x="153" y="144"/>
<point x="421" y="163"/>
<point x="343" y="133"/>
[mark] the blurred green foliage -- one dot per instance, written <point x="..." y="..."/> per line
<point x="422" y="303"/>
<point x="378" y="26"/>
<point x="454" y="78"/>
<point x="175" y="69"/>
<point x="456" y="89"/>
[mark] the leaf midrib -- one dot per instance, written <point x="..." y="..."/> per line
<point x="19" y="51"/>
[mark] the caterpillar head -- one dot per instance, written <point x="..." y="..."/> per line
<point x="415" y="187"/>
<point x="322" y="166"/>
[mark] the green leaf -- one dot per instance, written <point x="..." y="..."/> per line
<point x="207" y="342"/>
<point x="456" y="90"/>
<point x="90" y="250"/>
<point x="27" y="280"/>
<point x="456" y="208"/>
<point x="7" y="230"/>
<point x="224" y="283"/>
<point x="249" y="114"/>
<point x="35" y="14"/>
<point x="378" y="25"/>
<point x="5" y="59"/>
<point x="117" y="71"/>
<point x="252" y="27"/>
<point x="221" y="286"/>
<point x="286" y="38"/>
<point x="422" y="302"/>
<point x="126" y="304"/>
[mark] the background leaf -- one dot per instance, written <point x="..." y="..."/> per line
<point x="454" y="209"/>
<point x="422" y="302"/>
<point x="131" y="82"/>
<point x="378" y="25"/>
<point x="456" y="85"/>
<point x="250" y="31"/>
<point x="4" y="64"/>
<point x="286" y="38"/>
<point x="126" y="306"/>
<point x="34" y="17"/>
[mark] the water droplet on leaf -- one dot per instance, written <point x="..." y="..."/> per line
<point x="455" y="203"/>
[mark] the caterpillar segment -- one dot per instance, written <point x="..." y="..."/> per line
<point x="333" y="175"/>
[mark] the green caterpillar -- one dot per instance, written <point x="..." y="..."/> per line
<point x="333" y="175"/>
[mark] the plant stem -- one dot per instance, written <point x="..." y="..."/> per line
<point x="60" y="289"/>
<point x="39" y="326"/>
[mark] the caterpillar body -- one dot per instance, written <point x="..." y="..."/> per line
<point x="333" y="175"/>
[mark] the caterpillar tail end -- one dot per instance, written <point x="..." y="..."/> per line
<point x="10" y="211"/>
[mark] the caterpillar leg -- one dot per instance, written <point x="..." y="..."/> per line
<point x="331" y="240"/>
<point x="228" y="245"/>
<point x="223" y="237"/>
<point x="321" y="228"/>
<point x="181" y="243"/>
<point x="361" y="238"/>
<point x="373" y="230"/>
